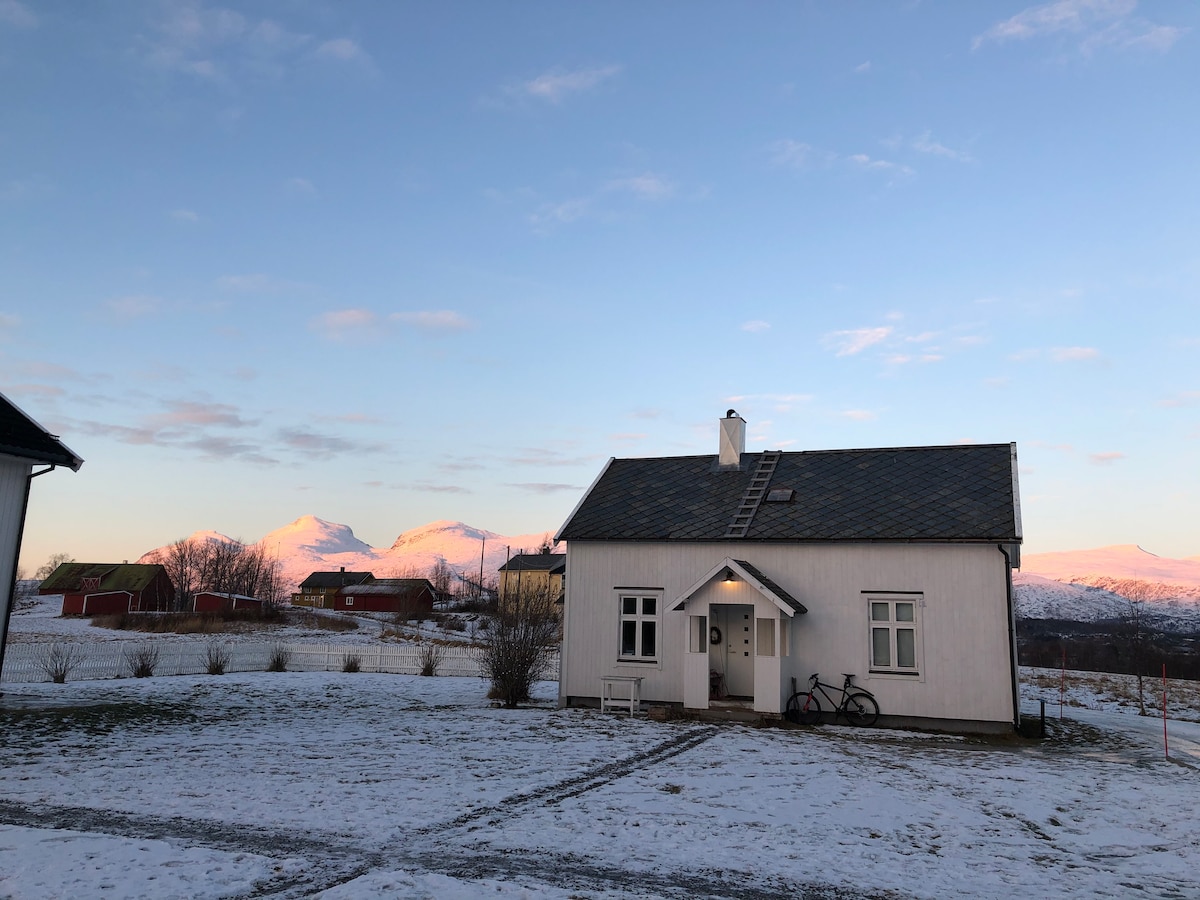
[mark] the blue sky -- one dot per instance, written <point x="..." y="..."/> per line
<point x="391" y="263"/>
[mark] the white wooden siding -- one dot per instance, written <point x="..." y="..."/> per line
<point x="966" y="667"/>
<point x="13" y="475"/>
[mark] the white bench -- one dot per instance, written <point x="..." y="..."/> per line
<point x="631" y="698"/>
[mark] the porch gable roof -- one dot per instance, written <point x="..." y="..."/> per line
<point x="788" y="604"/>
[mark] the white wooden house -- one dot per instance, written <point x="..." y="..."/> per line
<point x="720" y="581"/>
<point x="23" y="444"/>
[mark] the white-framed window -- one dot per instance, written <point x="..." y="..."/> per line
<point x="639" y="621"/>
<point x="349" y="601"/>
<point x="895" y="633"/>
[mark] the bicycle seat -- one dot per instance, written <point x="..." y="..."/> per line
<point x="844" y="675"/>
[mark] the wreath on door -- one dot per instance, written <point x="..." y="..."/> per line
<point x="714" y="635"/>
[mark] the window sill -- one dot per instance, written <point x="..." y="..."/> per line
<point x="893" y="672"/>
<point x="640" y="661"/>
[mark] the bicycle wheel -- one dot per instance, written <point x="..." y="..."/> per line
<point x="802" y="709"/>
<point x="861" y="709"/>
<point x="791" y="710"/>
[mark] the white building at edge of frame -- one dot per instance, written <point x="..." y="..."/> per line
<point x="721" y="582"/>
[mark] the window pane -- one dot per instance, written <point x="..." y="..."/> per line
<point x="765" y="643"/>
<point x="629" y="638"/>
<point x="904" y="612"/>
<point x="879" y="612"/>
<point x="906" y="648"/>
<point x="647" y="639"/>
<point x="648" y="605"/>
<point x="629" y="606"/>
<point x="881" y="649"/>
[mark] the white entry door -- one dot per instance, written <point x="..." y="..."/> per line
<point x="733" y="657"/>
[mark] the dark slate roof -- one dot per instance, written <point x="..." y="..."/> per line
<point x="964" y="492"/>
<point x="536" y="562"/>
<point x="113" y="576"/>
<point x="335" y="579"/>
<point x="22" y="437"/>
<point x="772" y="586"/>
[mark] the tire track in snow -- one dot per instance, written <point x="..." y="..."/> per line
<point x="571" y="787"/>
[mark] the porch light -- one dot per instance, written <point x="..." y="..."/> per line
<point x="729" y="576"/>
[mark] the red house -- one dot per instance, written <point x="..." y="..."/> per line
<point x="387" y="595"/>
<point x="91" y="589"/>
<point x="215" y="601"/>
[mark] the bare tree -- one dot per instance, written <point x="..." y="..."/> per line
<point x="226" y="567"/>
<point x="46" y="569"/>
<point x="520" y="643"/>
<point x="1134" y="626"/>
<point x="441" y="576"/>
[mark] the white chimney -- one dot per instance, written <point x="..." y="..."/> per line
<point x="733" y="439"/>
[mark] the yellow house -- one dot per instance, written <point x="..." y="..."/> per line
<point x="530" y="572"/>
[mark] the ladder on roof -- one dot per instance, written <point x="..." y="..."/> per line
<point x="755" y="491"/>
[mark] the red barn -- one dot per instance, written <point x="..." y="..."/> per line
<point x="387" y="595"/>
<point x="215" y="601"/>
<point x="91" y="589"/>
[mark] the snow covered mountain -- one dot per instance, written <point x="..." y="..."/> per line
<point x="1087" y="585"/>
<point x="312" y="544"/>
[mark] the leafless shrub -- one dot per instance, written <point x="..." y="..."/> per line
<point x="431" y="657"/>
<point x="522" y="638"/>
<point x="58" y="661"/>
<point x="351" y="662"/>
<point x="142" y="660"/>
<point x="216" y="659"/>
<point x="279" y="659"/>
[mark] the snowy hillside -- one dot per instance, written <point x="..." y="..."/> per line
<point x="312" y="544"/>
<point x="1086" y="585"/>
<point x="1043" y="598"/>
<point x="1121" y="561"/>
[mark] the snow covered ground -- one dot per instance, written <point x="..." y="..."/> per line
<point x="342" y="785"/>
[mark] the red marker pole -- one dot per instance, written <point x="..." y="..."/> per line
<point x="1166" y="753"/>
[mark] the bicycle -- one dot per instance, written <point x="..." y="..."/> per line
<point x="857" y="704"/>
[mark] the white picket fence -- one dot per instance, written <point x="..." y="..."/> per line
<point x="23" y="663"/>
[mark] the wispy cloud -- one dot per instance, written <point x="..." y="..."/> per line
<point x="189" y="412"/>
<point x="133" y="306"/>
<point x="880" y="165"/>
<point x="437" y="320"/>
<point x="551" y="214"/>
<point x="1094" y="24"/>
<point x="863" y="68"/>
<point x="858" y="415"/>
<point x="848" y="343"/>
<point x="544" y="456"/>
<point x="430" y="488"/>
<point x="791" y="154"/>
<point x="340" y="323"/>
<point x="300" y="187"/>
<point x="558" y="84"/>
<point x="220" y="45"/>
<point x="1183" y="398"/>
<point x="343" y="50"/>
<point x="17" y="15"/>
<point x="1104" y="459"/>
<point x="543" y="487"/>
<point x="649" y="186"/>
<point x="924" y="143"/>
<point x="316" y="445"/>
<point x="755" y="325"/>
<point x="185" y="215"/>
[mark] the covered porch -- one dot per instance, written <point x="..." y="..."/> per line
<point x="739" y="639"/>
